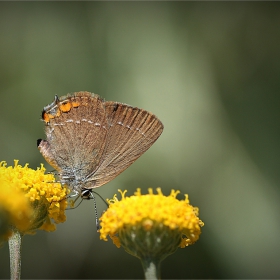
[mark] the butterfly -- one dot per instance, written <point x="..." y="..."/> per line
<point x="91" y="141"/>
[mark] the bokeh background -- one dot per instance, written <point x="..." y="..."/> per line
<point x="209" y="70"/>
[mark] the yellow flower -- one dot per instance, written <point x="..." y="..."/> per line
<point x="151" y="226"/>
<point x="14" y="209"/>
<point x="29" y="198"/>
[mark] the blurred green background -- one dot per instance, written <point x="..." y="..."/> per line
<point x="209" y="70"/>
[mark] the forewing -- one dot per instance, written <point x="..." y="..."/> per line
<point x="131" y="132"/>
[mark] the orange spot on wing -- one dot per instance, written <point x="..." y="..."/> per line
<point x="47" y="117"/>
<point x="65" y="107"/>
<point x="75" y="104"/>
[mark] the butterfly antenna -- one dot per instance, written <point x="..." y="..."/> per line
<point x="95" y="211"/>
<point x="107" y="204"/>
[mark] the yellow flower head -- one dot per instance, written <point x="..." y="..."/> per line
<point x="151" y="225"/>
<point x="29" y="198"/>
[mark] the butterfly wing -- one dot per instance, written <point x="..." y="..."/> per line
<point x="76" y="130"/>
<point x="131" y="132"/>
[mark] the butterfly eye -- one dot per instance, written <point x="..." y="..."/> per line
<point x="86" y="194"/>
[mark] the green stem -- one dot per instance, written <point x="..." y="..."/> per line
<point x="151" y="269"/>
<point x="15" y="254"/>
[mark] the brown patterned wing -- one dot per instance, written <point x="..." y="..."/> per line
<point x="131" y="132"/>
<point x="76" y="129"/>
